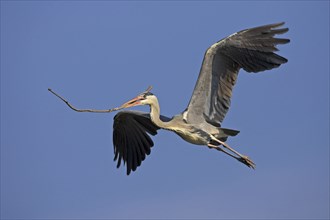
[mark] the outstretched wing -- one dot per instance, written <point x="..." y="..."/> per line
<point x="251" y="49"/>
<point x="131" y="140"/>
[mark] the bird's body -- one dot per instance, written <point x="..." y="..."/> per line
<point x="198" y="134"/>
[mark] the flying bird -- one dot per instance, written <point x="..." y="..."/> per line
<point x="252" y="50"/>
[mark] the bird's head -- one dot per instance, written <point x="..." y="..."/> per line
<point x="145" y="98"/>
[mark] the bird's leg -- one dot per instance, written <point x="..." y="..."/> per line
<point x="222" y="150"/>
<point x="242" y="158"/>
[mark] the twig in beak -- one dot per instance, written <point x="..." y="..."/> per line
<point x="90" y="110"/>
<point x="84" y="110"/>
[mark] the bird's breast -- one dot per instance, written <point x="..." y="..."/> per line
<point x="197" y="137"/>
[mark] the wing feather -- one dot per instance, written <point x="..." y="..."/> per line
<point x="131" y="140"/>
<point x="251" y="49"/>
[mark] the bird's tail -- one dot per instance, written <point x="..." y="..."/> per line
<point x="228" y="132"/>
<point x="223" y="134"/>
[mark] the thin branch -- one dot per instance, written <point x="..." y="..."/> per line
<point x="148" y="89"/>
<point x="84" y="110"/>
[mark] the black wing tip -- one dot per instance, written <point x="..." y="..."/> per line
<point x="278" y="24"/>
<point x="274" y="25"/>
<point x="270" y="27"/>
<point x="256" y="52"/>
<point x="131" y="140"/>
<point x="129" y="170"/>
<point x="282" y="30"/>
<point x="285" y="40"/>
<point x="273" y="29"/>
<point x="284" y="60"/>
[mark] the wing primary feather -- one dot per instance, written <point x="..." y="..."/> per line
<point x="131" y="138"/>
<point x="251" y="49"/>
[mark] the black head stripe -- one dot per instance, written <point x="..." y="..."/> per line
<point x="146" y="94"/>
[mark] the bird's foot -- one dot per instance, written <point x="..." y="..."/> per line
<point x="247" y="161"/>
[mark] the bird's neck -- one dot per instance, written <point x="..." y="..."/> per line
<point x="155" y="116"/>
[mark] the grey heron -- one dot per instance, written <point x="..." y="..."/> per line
<point x="252" y="50"/>
<point x="200" y="123"/>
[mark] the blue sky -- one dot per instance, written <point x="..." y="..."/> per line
<point x="57" y="163"/>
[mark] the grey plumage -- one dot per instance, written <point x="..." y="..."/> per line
<point x="251" y="49"/>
